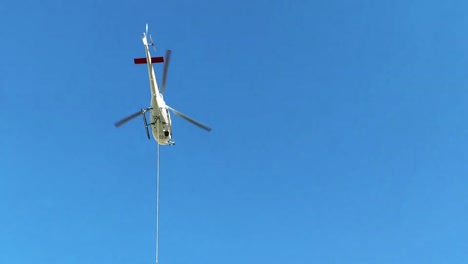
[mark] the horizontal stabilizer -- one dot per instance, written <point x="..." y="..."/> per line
<point x="153" y="60"/>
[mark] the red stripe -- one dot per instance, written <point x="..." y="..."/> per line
<point x="153" y="60"/>
<point x="157" y="59"/>
<point x="139" y="60"/>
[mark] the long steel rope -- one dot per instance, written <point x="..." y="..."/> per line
<point x="157" y="203"/>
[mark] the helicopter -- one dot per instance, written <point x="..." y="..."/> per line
<point x="160" y="118"/>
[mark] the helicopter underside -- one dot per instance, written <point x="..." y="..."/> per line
<point x="162" y="130"/>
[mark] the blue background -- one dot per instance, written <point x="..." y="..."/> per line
<point x="339" y="132"/>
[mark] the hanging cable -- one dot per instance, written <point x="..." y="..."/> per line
<point x="157" y="201"/>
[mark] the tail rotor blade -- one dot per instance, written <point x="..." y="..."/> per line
<point x="166" y="66"/>
<point x="190" y="119"/>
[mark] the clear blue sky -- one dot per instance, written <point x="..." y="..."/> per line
<point x="339" y="132"/>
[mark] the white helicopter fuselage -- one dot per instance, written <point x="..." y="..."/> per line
<point x="160" y="119"/>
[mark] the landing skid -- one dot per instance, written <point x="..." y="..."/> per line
<point x="146" y="124"/>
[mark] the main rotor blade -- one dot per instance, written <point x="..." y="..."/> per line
<point x="166" y="66"/>
<point x="190" y="119"/>
<point x="130" y="117"/>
